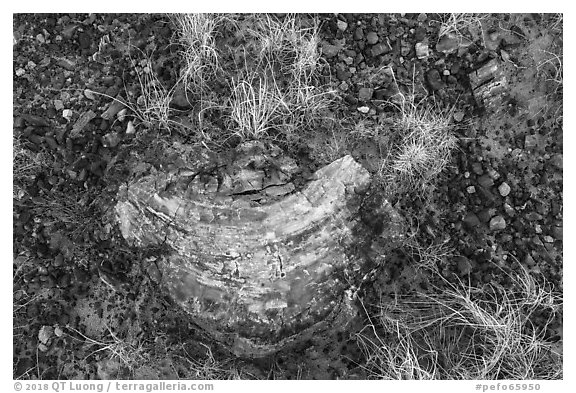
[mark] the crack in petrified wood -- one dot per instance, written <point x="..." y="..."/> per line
<point x="256" y="275"/>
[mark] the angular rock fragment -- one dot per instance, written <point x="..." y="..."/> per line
<point x="450" y="43"/>
<point x="489" y="83"/>
<point x="258" y="262"/>
<point x="422" y="50"/>
<point x="114" y="107"/>
<point x="82" y="121"/>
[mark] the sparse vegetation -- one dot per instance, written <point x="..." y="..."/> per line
<point x="421" y="147"/>
<point x="256" y="105"/>
<point x="461" y="25"/>
<point x="25" y="165"/>
<point x="197" y="34"/>
<point x="282" y="90"/>
<point x="461" y="332"/>
<point x="128" y="354"/>
<point x="152" y="106"/>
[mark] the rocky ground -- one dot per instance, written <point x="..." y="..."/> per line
<point x="87" y="305"/>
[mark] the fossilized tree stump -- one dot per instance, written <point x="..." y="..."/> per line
<point x="256" y="262"/>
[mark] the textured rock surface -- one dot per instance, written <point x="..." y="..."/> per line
<point x="257" y="262"/>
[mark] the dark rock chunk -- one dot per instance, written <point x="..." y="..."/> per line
<point x="380" y="49"/>
<point x="372" y="38"/>
<point x="450" y="43"/>
<point x="84" y="40"/>
<point x="485" y="181"/>
<point x="435" y="80"/>
<point x="365" y="94"/>
<point x="358" y="34"/>
<point x="471" y="220"/>
<point x="330" y="50"/>
<point x="34" y="120"/>
<point x="82" y="121"/>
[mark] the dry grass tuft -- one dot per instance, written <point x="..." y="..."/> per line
<point x="256" y="105"/>
<point x="197" y="36"/>
<point x="462" y="25"/>
<point x="152" y="107"/>
<point x="490" y="332"/>
<point x="421" y="150"/>
<point x="289" y="51"/>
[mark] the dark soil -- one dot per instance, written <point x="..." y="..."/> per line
<point x="78" y="287"/>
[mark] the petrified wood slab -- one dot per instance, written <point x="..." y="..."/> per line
<point x="257" y="262"/>
<point x="489" y="84"/>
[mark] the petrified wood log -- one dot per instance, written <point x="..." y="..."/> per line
<point x="489" y="84"/>
<point x="256" y="261"/>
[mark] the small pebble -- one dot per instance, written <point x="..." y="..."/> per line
<point x="464" y="265"/>
<point x="493" y="174"/>
<point x="363" y="109"/>
<point x="529" y="261"/>
<point x="365" y="94"/>
<point x="342" y="26"/>
<point x="531" y="141"/>
<point x="89" y="94"/>
<point x="372" y="38"/>
<point x="458" y="116"/>
<point x="470" y="189"/>
<point x="509" y="210"/>
<point x="497" y="223"/>
<point x="422" y="50"/>
<point x="477" y="168"/>
<point x="533" y="216"/>
<point x="557" y="232"/>
<point x="557" y="160"/>
<point x="45" y="334"/>
<point x="67" y="114"/>
<point x="121" y="115"/>
<point x="58" y="261"/>
<point x="485" y="181"/>
<point x="472" y="220"/>
<point x="58" y="332"/>
<point x="130" y="129"/>
<point x="504" y="189"/>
